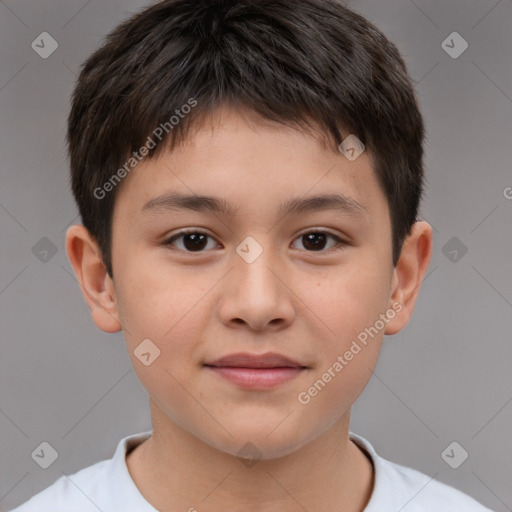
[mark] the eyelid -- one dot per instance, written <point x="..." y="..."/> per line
<point x="167" y="242"/>
<point x="340" y="242"/>
<point x="327" y="231"/>
<point x="185" y="231"/>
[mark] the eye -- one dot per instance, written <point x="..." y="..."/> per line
<point x="315" y="241"/>
<point x="197" y="241"/>
<point x="193" y="241"/>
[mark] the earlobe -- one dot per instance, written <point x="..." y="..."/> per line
<point x="97" y="287"/>
<point x="409" y="274"/>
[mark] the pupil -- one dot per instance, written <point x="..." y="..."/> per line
<point x="197" y="241"/>
<point x="315" y="241"/>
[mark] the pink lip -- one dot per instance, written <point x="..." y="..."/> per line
<point x="256" y="371"/>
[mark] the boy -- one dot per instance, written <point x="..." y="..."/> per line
<point x="248" y="175"/>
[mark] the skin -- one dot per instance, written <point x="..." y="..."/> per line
<point x="197" y="306"/>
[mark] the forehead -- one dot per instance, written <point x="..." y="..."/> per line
<point x="234" y="161"/>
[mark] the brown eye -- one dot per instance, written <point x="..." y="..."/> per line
<point x="191" y="241"/>
<point x="317" y="241"/>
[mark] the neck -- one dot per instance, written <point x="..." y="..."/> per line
<point x="175" y="470"/>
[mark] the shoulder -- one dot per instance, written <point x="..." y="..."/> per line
<point x="102" y="486"/>
<point x="421" y="492"/>
<point x="77" y="491"/>
<point x="402" y="488"/>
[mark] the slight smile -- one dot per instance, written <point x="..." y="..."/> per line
<point x="256" y="371"/>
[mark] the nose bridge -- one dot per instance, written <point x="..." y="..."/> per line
<point x="256" y="266"/>
<point x="255" y="293"/>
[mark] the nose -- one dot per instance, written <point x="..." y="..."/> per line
<point x="256" y="295"/>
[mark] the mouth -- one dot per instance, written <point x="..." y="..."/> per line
<point x="256" y="371"/>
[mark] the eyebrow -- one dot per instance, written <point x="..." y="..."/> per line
<point x="292" y="206"/>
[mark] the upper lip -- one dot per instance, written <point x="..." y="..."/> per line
<point x="247" y="360"/>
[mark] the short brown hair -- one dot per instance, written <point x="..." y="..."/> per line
<point x="300" y="62"/>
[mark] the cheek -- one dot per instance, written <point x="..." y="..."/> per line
<point x="346" y="302"/>
<point x="332" y="391"/>
<point x="158" y="299"/>
<point x="346" y="307"/>
<point x="168" y="307"/>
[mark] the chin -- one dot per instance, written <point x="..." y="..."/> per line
<point x="259" y="442"/>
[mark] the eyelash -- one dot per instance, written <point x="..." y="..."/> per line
<point x="339" y="245"/>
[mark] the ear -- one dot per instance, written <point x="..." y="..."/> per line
<point x="96" y="285"/>
<point x="409" y="274"/>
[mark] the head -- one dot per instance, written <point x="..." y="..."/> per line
<point x="247" y="102"/>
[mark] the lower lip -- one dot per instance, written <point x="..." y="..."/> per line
<point x="256" y="378"/>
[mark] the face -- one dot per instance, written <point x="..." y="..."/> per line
<point x="306" y="283"/>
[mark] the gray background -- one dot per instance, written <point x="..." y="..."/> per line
<point x="446" y="377"/>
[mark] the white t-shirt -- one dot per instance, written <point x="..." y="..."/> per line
<point x="108" y="487"/>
